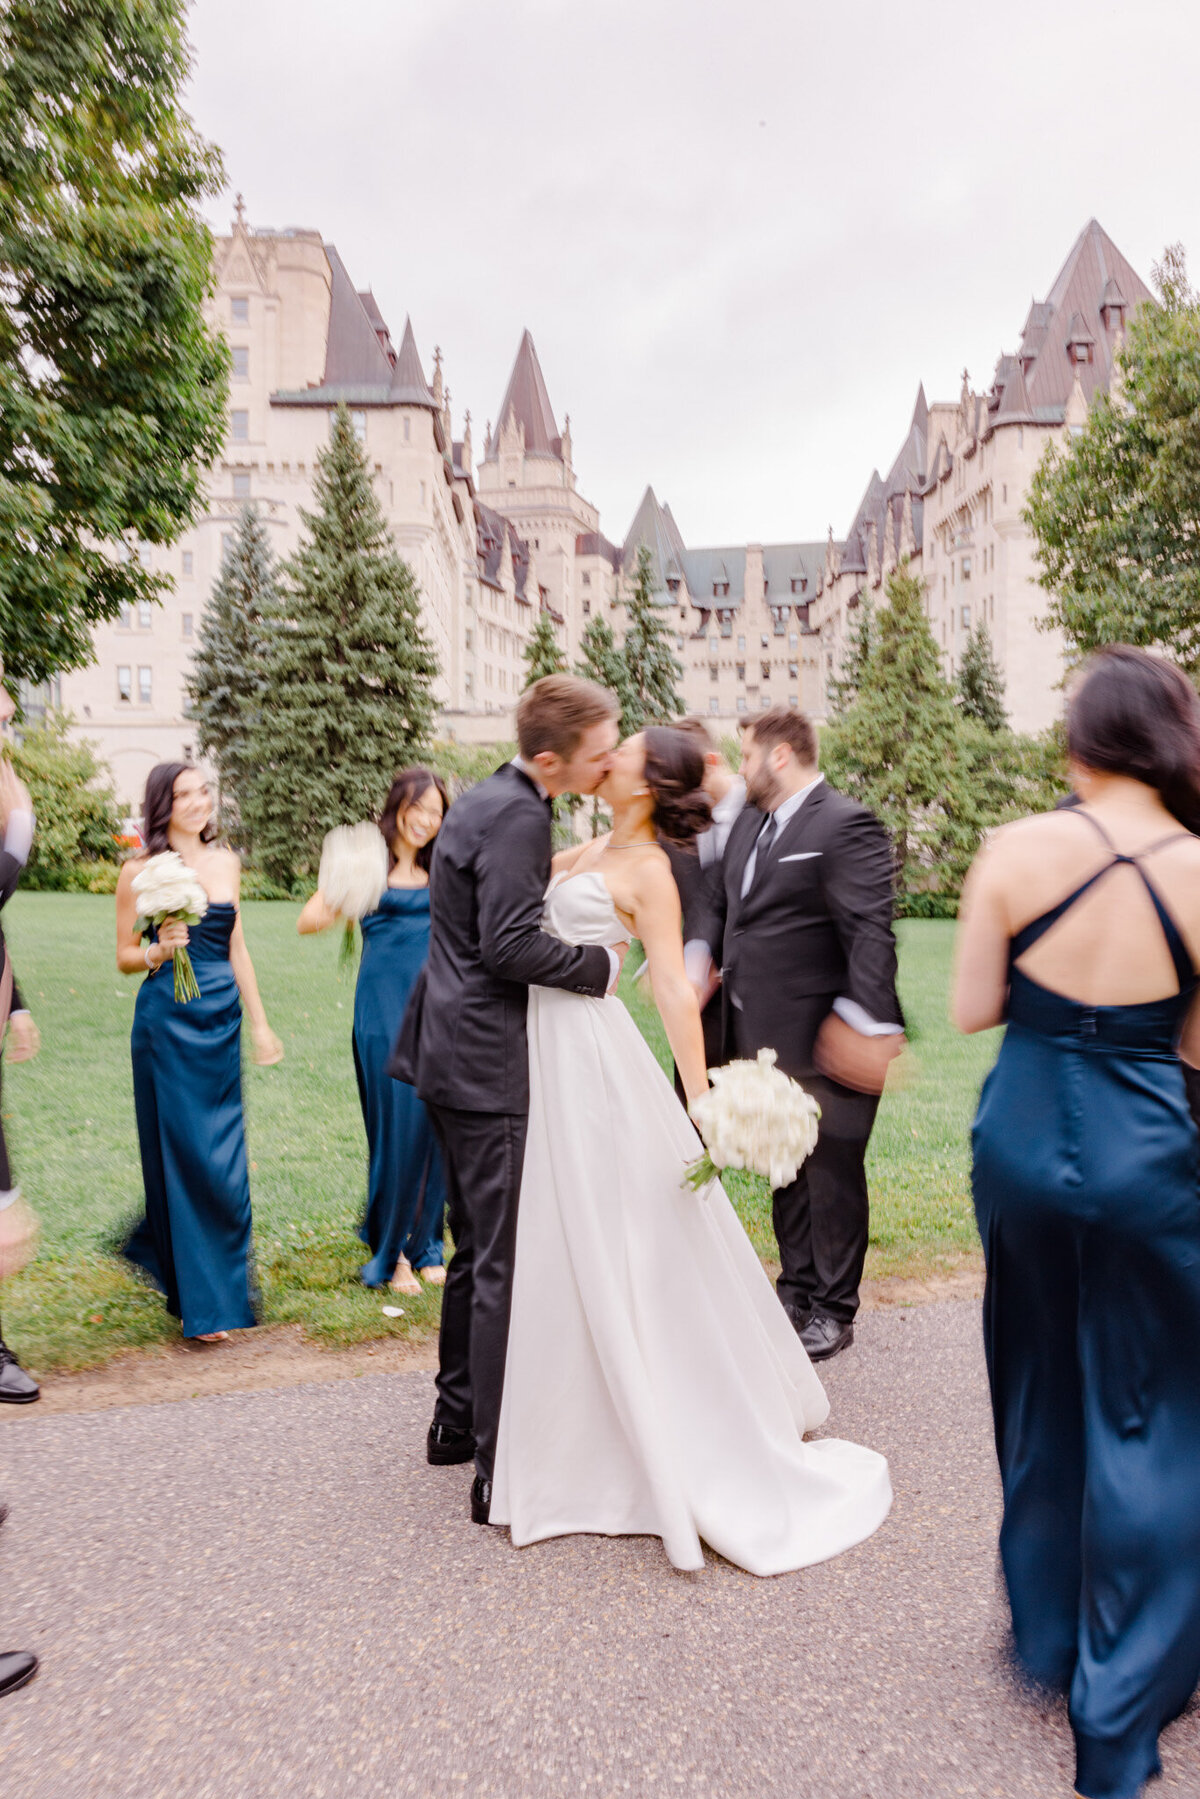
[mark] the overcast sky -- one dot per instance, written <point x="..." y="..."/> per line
<point x="741" y="234"/>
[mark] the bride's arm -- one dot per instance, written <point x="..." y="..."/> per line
<point x="659" y="924"/>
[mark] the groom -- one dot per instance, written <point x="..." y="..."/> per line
<point x="462" y="1044"/>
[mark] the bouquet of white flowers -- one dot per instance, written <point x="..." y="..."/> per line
<point x="167" y="889"/>
<point x="753" y="1116"/>
<point x="353" y="875"/>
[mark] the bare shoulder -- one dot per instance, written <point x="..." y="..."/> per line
<point x="129" y="870"/>
<point x="652" y="876"/>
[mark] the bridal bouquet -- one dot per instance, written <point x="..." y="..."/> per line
<point x="353" y="875"/>
<point x="167" y="889"/>
<point x="753" y="1116"/>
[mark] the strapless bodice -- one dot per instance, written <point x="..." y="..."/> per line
<point x="579" y="909"/>
<point x="208" y="941"/>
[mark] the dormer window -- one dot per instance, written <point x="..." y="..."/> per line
<point x="799" y="583"/>
<point x="1080" y="341"/>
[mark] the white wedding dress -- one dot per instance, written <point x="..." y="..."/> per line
<point x="654" y="1385"/>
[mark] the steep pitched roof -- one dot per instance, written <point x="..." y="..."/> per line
<point x="354" y="356"/>
<point x="527" y="400"/>
<point x="653" y="526"/>
<point x="409" y="387"/>
<point x="1071" y="312"/>
<point x="907" y="473"/>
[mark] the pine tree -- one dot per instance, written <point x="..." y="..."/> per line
<point x="228" y="681"/>
<point x="542" y="652"/>
<point x="349" y="671"/>
<point x="980" y="683"/>
<point x="651" y="668"/>
<point x="860" y="642"/>
<point x="603" y="663"/>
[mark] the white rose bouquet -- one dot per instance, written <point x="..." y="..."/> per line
<point x="753" y="1116"/>
<point x="167" y="889"/>
<point x="353" y="875"/>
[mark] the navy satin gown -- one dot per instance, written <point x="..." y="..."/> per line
<point x="406" y="1195"/>
<point x="194" y="1239"/>
<point x="1087" y="1198"/>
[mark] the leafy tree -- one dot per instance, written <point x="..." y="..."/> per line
<point x="112" y="387"/>
<point x="228" y="681"/>
<point x="980" y="683"/>
<point x="542" y="652"/>
<point x="348" y="675"/>
<point x="76" y="809"/>
<point x="844" y="685"/>
<point x="463" y="765"/>
<point x="603" y="663"/>
<point x="1114" y="511"/>
<point x="652" y="670"/>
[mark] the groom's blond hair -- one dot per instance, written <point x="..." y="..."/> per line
<point x="554" y="713"/>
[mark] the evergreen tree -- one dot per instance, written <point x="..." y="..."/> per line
<point x="980" y="683"/>
<point x="347" y="694"/>
<point x="228" y="679"/>
<point x="542" y="652"/>
<point x="603" y="663"/>
<point x="112" y="386"/>
<point x="860" y="642"/>
<point x="650" y="696"/>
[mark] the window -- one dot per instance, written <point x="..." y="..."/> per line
<point x="469" y="682"/>
<point x="741" y="702"/>
<point x="1020" y="437"/>
<point x="241" y="484"/>
<point x="765" y="702"/>
<point x="187" y="624"/>
<point x="793" y="671"/>
<point x="713" y="671"/>
<point x="766" y="670"/>
<point x="145" y="677"/>
<point x="966" y="568"/>
<point x="1004" y="494"/>
<point x="793" y="640"/>
<point x="587" y="609"/>
<point x="740" y="671"/>
<point x="726" y="627"/>
<point x="124" y="682"/>
<point x="241" y="426"/>
<point x="741" y="643"/>
<point x="239" y="309"/>
<point x="794" y="702"/>
<point x="714" y="704"/>
<point x="469" y="639"/>
<point x="358" y="424"/>
<point x="241" y="362"/>
<point x="189" y="563"/>
<point x="966" y="618"/>
<point x="779" y="627"/>
<point x="125" y="616"/>
<point x="585" y="579"/>
<point x="144" y="615"/>
<point x="766" y="641"/>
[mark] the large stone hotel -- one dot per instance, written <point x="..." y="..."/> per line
<point x="496" y="536"/>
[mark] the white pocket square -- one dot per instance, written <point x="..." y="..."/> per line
<point x="802" y="856"/>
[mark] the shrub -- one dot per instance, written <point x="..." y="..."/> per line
<point x="77" y="817"/>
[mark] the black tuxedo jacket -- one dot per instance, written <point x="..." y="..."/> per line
<point x="462" y="1043"/>
<point x="815" y="926"/>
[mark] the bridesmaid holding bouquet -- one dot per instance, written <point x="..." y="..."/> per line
<point x="194" y="1238"/>
<point x="405" y="1221"/>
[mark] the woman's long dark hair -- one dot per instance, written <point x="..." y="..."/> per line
<point x="675" y="776"/>
<point x="159" y="803"/>
<point x="408" y="787"/>
<point x="1138" y="715"/>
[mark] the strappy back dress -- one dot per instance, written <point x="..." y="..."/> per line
<point x="1087" y="1198"/>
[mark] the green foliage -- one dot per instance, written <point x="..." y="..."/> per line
<point x="112" y="388"/>
<point x="605" y="664"/>
<point x="542" y="652"/>
<point x="348" y="675"/>
<point x="1114" y="513"/>
<point x="980" y="683"/>
<point x="860" y="645"/>
<point x="935" y="778"/>
<point x="77" y="818"/>
<point x="650" y="696"/>
<point x="228" y="680"/>
<point x="463" y="765"/>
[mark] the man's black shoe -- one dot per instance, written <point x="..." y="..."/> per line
<point x="481" y="1500"/>
<point x="17" y="1669"/>
<point x="823" y="1337"/>
<point x="444" y="1447"/>
<point x="16" y="1387"/>
<point x="799" y="1317"/>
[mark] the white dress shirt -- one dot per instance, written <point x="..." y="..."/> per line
<point x="711" y="843"/>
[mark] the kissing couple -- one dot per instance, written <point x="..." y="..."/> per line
<point x="612" y="1355"/>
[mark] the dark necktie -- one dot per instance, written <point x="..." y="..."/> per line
<point x="766" y="840"/>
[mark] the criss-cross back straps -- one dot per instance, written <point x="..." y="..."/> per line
<point x="1037" y="927"/>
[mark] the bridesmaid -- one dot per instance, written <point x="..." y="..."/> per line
<point x="194" y="1239"/>
<point x="405" y="1221"/>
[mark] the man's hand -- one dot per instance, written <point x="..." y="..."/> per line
<point x="862" y="1063"/>
<point x="18" y="1237"/>
<point x="24" y="1038"/>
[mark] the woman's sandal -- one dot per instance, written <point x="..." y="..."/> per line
<point x="404" y="1280"/>
<point x="211" y="1337"/>
<point x="433" y="1276"/>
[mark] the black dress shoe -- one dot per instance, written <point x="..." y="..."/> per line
<point x="823" y="1337"/>
<point x="16" y="1387"/>
<point x="17" y="1669"/>
<point x="445" y="1447"/>
<point x="481" y="1500"/>
<point x="799" y="1317"/>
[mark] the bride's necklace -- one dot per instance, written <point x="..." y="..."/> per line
<point x="638" y="843"/>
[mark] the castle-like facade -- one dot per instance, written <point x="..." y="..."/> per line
<point x="495" y="540"/>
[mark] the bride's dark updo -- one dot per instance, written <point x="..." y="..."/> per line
<point x="674" y="773"/>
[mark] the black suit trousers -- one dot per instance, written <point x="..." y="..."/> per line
<point x="483" y="1154"/>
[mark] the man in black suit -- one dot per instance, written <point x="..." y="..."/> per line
<point x="463" y="1045"/>
<point x="801" y="929"/>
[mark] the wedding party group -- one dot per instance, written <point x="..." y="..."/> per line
<point x="613" y="1358"/>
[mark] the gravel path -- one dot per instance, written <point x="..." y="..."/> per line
<point x="270" y="1594"/>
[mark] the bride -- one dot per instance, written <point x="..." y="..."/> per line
<point x="653" y="1385"/>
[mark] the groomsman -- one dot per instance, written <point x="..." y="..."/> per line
<point x="800" y="928"/>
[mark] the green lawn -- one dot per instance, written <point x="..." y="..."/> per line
<point x="69" y="1116"/>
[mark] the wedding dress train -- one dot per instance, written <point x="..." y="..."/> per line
<point x="654" y="1385"/>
